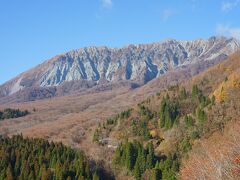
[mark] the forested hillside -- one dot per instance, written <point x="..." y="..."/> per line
<point x="151" y="140"/>
<point x="39" y="159"/>
<point x="166" y="124"/>
<point x="172" y="122"/>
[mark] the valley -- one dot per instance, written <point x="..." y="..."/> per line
<point x="74" y="118"/>
<point x="120" y="90"/>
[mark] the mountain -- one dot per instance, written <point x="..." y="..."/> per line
<point x="178" y="115"/>
<point x="87" y="67"/>
<point x="192" y="127"/>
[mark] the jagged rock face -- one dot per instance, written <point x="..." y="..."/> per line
<point x="137" y="63"/>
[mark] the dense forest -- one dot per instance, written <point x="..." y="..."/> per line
<point x="12" y="113"/>
<point x="137" y="159"/>
<point x="39" y="159"/>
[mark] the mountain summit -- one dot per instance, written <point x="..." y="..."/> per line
<point x="135" y="63"/>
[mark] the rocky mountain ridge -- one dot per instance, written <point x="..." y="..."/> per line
<point x="134" y="63"/>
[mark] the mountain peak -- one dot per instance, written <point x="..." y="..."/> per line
<point x="136" y="63"/>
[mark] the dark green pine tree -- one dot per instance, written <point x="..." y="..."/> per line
<point x="162" y="112"/>
<point x="156" y="174"/>
<point x="201" y="116"/>
<point x="130" y="156"/>
<point x="168" y="120"/>
<point x="150" y="156"/>
<point x="87" y="171"/>
<point x="195" y="91"/>
<point x="137" y="171"/>
<point x="188" y="121"/>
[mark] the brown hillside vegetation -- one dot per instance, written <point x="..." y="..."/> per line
<point x="195" y="114"/>
<point x="216" y="157"/>
<point x="73" y="119"/>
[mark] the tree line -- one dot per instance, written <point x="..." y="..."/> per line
<point x="42" y="160"/>
<point x="12" y="113"/>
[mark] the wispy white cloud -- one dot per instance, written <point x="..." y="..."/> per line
<point x="107" y="4"/>
<point x="226" y="30"/>
<point x="104" y="7"/>
<point x="229" y="5"/>
<point x="167" y="13"/>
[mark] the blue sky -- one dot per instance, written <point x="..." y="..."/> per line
<point x="33" y="31"/>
